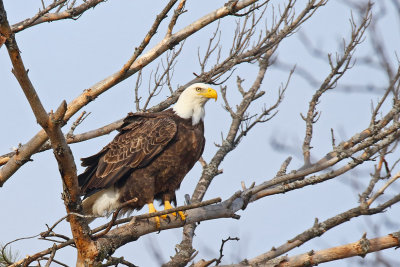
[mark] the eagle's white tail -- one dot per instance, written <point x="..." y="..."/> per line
<point x="101" y="203"/>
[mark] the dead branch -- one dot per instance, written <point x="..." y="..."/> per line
<point x="383" y="188"/>
<point x="76" y="123"/>
<point x="343" y="64"/>
<point x="113" y="261"/>
<point x="388" y="137"/>
<point x="51" y="258"/>
<point x="159" y="213"/>
<point x="44" y="15"/>
<point x="164" y="78"/>
<point x="360" y="248"/>
<point x="390" y="89"/>
<point x="28" y="259"/>
<point x="178" y="11"/>
<point x="221" y="249"/>
<point x="50" y="229"/>
<point x="55" y="261"/>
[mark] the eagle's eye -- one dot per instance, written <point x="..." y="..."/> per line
<point x="198" y="89"/>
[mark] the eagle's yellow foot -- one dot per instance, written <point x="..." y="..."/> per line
<point x="167" y="206"/>
<point x="156" y="218"/>
<point x="182" y="215"/>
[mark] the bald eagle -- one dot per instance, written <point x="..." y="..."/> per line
<point x="148" y="158"/>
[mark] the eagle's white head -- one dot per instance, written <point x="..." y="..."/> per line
<point x="192" y="100"/>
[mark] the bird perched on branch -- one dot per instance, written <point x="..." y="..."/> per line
<point x="148" y="159"/>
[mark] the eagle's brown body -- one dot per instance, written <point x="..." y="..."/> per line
<point x="147" y="160"/>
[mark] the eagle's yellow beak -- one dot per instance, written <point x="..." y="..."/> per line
<point x="210" y="93"/>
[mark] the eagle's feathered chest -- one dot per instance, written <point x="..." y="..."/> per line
<point x="182" y="153"/>
<point x="166" y="171"/>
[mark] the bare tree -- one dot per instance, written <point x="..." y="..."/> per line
<point x="261" y="28"/>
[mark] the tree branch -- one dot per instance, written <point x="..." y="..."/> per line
<point x="360" y="248"/>
<point x="337" y="71"/>
<point x="45" y="16"/>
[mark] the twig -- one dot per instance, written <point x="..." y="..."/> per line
<point x="283" y="168"/>
<point x="333" y="139"/>
<point x="394" y="80"/>
<point x="50" y="229"/>
<point x="53" y="253"/>
<point x="383" y="188"/>
<point x="374" y="179"/>
<point x="3" y="249"/>
<point x="114" y="217"/>
<point x="78" y="121"/>
<point x="164" y="78"/>
<point x="210" y="49"/>
<point x="28" y="259"/>
<point x="113" y="261"/>
<point x="179" y="10"/>
<point x="202" y="162"/>
<point x="44" y="16"/>
<point x="137" y="85"/>
<point x="338" y="69"/>
<point x="221" y="249"/>
<point x="64" y="237"/>
<point x="55" y="261"/>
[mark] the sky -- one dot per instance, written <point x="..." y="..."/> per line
<point x="66" y="57"/>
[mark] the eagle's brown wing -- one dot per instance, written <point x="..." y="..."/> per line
<point x="134" y="147"/>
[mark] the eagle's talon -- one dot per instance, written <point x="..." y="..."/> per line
<point x="182" y="215"/>
<point x="167" y="206"/>
<point x="166" y="217"/>
<point x="156" y="218"/>
<point x="158" y="223"/>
